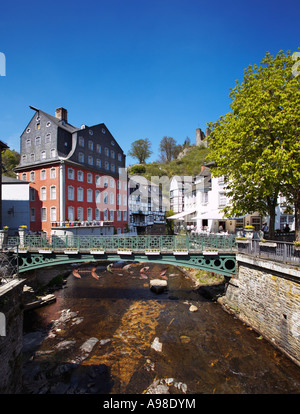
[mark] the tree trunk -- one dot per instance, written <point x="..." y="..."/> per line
<point x="272" y="203"/>
<point x="297" y="215"/>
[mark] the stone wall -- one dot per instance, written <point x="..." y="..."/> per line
<point x="11" y="339"/>
<point x="266" y="295"/>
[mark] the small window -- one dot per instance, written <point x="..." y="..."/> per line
<point x="89" y="196"/>
<point x="98" y="180"/>
<point x="53" y="173"/>
<point x="98" y="148"/>
<point x="119" y="157"/>
<point x="105" y="197"/>
<point x="98" y="163"/>
<point x="71" y="213"/>
<point x="112" y="215"/>
<point x="81" y="157"/>
<point x="48" y="124"/>
<point x="70" y="173"/>
<point x="112" y="198"/>
<point x="28" y="142"/>
<point x="38" y="125"/>
<point x="32" y="214"/>
<point x="89" y="214"/>
<point x="105" y="182"/>
<point x="53" y="213"/>
<point x="97" y="214"/>
<point x="89" y="178"/>
<point x="106" y="165"/>
<point x="24" y="158"/>
<point x="48" y="138"/>
<point x="43" y="155"/>
<point x="31" y="194"/>
<point x="90" y="160"/>
<point x="53" y="153"/>
<point x="79" y="194"/>
<point x="28" y="130"/>
<point x="70" y="192"/>
<point x="37" y="140"/>
<point x="32" y="157"/>
<point x="53" y="192"/>
<point x="97" y="196"/>
<point x="80" y="213"/>
<point x="90" y="145"/>
<point x="24" y="176"/>
<point x="112" y="154"/>
<point x="43" y="193"/>
<point x="113" y="168"/>
<point x="106" y="151"/>
<point x="105" y="214"/>
<point x="43" y="174"/>
<point x="32" y="176"/>
<point x="44" y="214"/>
<point x="80" y="176"/>
<point x="81" y="141"/>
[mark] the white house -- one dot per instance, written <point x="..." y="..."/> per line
<point x="15" y="204"/>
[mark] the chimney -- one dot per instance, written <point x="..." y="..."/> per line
<point x="61" y="114"/>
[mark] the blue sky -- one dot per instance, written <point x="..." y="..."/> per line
<point x="147" y="69"/>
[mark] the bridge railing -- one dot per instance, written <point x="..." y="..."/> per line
<point x="162" y="243"/>
<point x="275" y="250"/>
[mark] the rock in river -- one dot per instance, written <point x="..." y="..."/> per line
<point x="158" y="285"/>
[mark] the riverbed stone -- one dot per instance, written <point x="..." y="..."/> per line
<point x="158" y="285"/>
<point x="88" y="345"/>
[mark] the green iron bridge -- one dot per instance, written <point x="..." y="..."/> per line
<point x="213" y="253"/>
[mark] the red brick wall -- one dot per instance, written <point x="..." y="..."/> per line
<point x="38" y="203"/>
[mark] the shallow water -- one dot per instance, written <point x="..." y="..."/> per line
<point x="114" y="335"/>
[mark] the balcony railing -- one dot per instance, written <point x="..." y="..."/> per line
<point x="276" y="250"/>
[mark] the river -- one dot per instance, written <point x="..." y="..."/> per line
<point x="108" y="333"/>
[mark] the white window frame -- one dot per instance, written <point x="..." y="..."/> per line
<point x="53" y="192"/>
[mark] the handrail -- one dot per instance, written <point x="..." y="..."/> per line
<point x="271" y="249"/>
<point x="162" y="242"/>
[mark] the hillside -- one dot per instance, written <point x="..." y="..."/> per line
<point x="189" y="165"/>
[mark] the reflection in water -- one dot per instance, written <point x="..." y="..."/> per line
<point x="109" y="333"/>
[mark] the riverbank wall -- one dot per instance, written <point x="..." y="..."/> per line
<point x="11" y="337"/>
<point x="266" y="295"/>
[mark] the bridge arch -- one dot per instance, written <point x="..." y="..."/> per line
<point x="223" y="263"/>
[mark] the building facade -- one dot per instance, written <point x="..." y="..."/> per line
<point x="76" y="175"/>
<point x="146" y="207"/>
<point x="15" y="204"/>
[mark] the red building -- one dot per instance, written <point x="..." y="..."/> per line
<point x="77" y="175"/>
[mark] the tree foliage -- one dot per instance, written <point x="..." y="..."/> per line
<point x="141" y="149"/>
<point x="10" y="159"/>
<point x="168" y="149"/>
<point x="256" y="146"/>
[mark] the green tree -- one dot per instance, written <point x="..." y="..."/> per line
<point x="140" y="149"/>
<point x="10" y="159"/>
<point x="168" y="149"/>
<point x="256" y="146"/>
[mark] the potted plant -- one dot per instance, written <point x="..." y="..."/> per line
<point x="97" y="251"/>
<point x="70" y="250"/>
<point x="181" y="252"/>
<point x="297" y="245"/>
<point x="152" y="252"/>
<point x="267" y="243"/>
<point x="45" y="250"/>
<point x="124" y="251"/>
<point x="210" y="251"/>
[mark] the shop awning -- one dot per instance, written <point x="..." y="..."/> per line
<point x="210" y="215"/>
<point x="181" y="215"/>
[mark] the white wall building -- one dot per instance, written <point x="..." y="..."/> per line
<point x="15" y="204"/>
